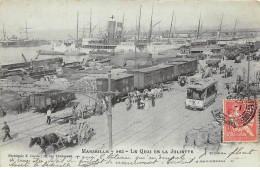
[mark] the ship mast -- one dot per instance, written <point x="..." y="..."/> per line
<point x="198" y="32"/>
<point x="90" y="23"/>
<point x="123" y="27"/>
<point x="4" y="33"/>
<point x="170" y="28"/>
<point x="151" y="26"/>
<point x="174" y="26"/>
<point x="26" y="30"/>
<point x="234" y="32"/>
<point x="201" y="26"/>
<point x="220" y="27"/>
<point x="138" y="34"/>
<point x="77" y="29"/>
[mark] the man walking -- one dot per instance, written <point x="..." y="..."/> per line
<point x="7" y="131"/>
<point x="49" y="116"/>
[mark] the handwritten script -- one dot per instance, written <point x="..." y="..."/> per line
<point x="129" y="158"/>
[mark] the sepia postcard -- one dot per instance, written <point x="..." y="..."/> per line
<point x="129" y="83"/>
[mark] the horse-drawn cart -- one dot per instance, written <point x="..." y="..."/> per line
<point x="78" y="133"/>
<point x="62" y="117"/>
<point x="66" y="136"/>
<point x="168" y="86"/>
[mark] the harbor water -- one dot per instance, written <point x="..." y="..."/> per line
<point x="13" y="55"/>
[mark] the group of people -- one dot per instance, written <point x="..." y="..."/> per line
<point x="143" y="100"/>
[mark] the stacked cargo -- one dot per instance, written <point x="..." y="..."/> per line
<point x="87" y="84"/>
<point x="12" y="103"/>
<point x="81" y="131"/>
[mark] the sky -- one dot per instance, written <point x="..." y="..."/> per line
<point x="49" y="15"/>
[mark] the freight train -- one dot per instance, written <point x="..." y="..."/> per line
<point x="150" y="76"/>
<point x="147" y="77"/>
<point x="124" y="81"/>
<point x="54" y="99"/>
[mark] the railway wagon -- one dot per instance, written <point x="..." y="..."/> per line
<point x="122" y="83"/>
<point x="167" y="72"/>
<point x="190" y="66"/>
<point x="147" y="76"/>
<point x="180" y="68"/>
<point x="56" y="99"/>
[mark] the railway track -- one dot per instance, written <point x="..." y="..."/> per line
<point x="121" y="134"/>
<point x="142" y="132"/>
<point x="154" y="132"/>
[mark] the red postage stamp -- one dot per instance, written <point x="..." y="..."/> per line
<point x="240" y="120"/>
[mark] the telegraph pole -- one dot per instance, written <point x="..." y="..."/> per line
<point x="109" y="114"/>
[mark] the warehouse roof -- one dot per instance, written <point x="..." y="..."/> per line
<point x="148" y="69"/>
<point x="165" y="66"/>
<point x="177" y="63"/>
<point x="120" y="76"/>
<point x="113" y="76"/>
<point x="184" y="59"/>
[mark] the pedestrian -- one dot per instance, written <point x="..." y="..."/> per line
<point x="7" y="131"/>
<point x="142" y="103"/>
<point x="98" y="109"/>
<point x="128" y="103"/>
<point x="146" y="104"/>
<point x="49" y="116"/>
<point x="153" y="100"/>
<point x="138" y="101"/>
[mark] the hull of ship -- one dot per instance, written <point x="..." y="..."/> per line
<point x="41" y="52"/>
<point x="153" y="49"/>
<point x="74" y="54"/>
<point x="52" y="62"/>
<point x="30" y="43"/>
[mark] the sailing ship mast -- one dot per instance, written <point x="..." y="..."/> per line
<point x="170" y="28"/>
<point x="174" y="25"/>
<point x="138" y="34"/>
<point x="122" y="35"/>
<point x="4" y="33"/>
<point x="220" y="27"/>
<point x="77" y="38"/>
<point x="234" y="32"/>
<point x="26" y="30"/>
<point x="198" y="32"/>
<point x="90" y="24"/>
<point x="151" y="26"/>
<point x="201" y="26"/>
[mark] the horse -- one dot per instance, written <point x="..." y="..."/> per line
<point x="45" y="141"/>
